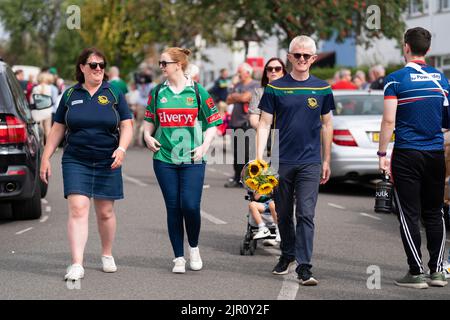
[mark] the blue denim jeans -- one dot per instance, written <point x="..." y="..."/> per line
<point x="181" y="186"/>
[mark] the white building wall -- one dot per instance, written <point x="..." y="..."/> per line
<point x="222" y="56"/>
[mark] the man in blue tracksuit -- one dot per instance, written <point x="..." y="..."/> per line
<point x="416" y="105"/>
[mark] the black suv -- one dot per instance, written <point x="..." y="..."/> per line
<point x="20" y="148"/>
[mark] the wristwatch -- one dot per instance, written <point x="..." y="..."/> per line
<point x="381" y="154"/>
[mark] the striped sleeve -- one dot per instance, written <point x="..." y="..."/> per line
<point x="150" y="110"/>
<point x="390" y="88"/>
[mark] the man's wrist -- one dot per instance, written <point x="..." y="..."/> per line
<point x="381" y="154"/>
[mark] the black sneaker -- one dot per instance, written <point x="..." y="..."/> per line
<point x="305" y="277"/>
<point x="233" y="184"/>
<point x="283" y="265"/>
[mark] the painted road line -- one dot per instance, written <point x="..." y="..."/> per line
<point x="23" y="231"/>
<point x="369" y="216"/>
<point x="336" y="206"/>
<point x="134" y="180"/>
<point x="211" y="218"/>
<point x="43" y="219"/>
<point x="44" y="201"/>
<point x="48" y="209"/>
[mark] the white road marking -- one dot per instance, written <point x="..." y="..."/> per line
<point x="48" y="209"/>
<point x="25" y="230"/>
<point x="336" y="206"/>
<point x="212" y="170"/>
<point x="206" y="186"/>
<point x="43" y="219"/>
<point x="44" y="201"/>
<point x="369" y="216"/>
<point x="133" y="180"/>
<point x="290" y="285"/>
<point x="211" y="218"/>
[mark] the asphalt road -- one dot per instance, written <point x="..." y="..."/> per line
<point x="351" y="241"/>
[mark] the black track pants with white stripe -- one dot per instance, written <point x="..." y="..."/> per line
<point x="419" y="178"/>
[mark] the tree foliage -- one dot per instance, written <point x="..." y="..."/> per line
<point x="129" y="30"/>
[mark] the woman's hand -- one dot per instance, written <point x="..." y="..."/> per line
<point x="152" y="143"/>
<point x="45" y="170"/>
<point x="118" y="156"/>
<point x="199" y="152"/>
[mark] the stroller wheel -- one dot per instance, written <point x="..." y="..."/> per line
<point x="252" y="247"/>
<point x="244" y="249"/>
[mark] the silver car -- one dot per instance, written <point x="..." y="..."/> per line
<point x="356" y="133"/>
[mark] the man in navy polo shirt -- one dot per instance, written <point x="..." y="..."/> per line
<point x="300" y="106"/>
<point x="415" y="104"/>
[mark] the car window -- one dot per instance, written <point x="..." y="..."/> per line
<point x="358" y="105"/>
<point x="19" y="98"/>
<point x="6" y="101"/>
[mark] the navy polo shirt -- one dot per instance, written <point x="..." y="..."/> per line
<point x="92" y="122"/>
<point x="297" y="107"/>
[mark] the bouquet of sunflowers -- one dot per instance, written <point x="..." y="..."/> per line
<point x="258" y="177"/>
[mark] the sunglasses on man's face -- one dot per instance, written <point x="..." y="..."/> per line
<point x="305" y="56"/>
<point x="274" y="69"/>
<point x="165" y="63"/>
<point x="93" y="65"/>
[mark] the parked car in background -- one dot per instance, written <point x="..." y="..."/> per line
<point x="20" y="148"/>
<point x="356" y="128"/>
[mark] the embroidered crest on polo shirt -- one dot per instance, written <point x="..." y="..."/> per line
<point x="163" y="100"/>
<point x="312" y="103"/>
<point x="103" y="100"/>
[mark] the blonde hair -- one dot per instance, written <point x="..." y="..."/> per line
<point x="45" y="78"/>
<point x="303" y="41"/>
<point x="179" y="55"/>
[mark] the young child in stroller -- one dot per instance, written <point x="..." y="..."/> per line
<point x="263" y="216"/>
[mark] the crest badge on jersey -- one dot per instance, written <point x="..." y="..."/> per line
<point x="163" y="100"/>
<point x="312" y="103"/>
<point x="189" y="101"/>
<point x="103" y="100"/>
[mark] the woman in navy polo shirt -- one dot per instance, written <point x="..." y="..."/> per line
<point x="90" y="116"/>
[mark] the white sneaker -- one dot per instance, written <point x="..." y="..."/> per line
<point x="195" y="261"/>
<point x="74" y="272"/>
<point x="180" y="265"/>
<point x="270" y="242"/>
<point x="278" y="237"/>
<point x="263" y="232"/>
<point x="108" y="264"/>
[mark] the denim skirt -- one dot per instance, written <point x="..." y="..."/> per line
<point x="91" y="178"/>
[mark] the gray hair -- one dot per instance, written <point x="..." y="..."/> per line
<point x="303" y="41"/>
<point x="246" y="67"/>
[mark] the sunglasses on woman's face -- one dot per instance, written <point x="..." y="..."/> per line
<point x="305" y="56"/>
<point x="165" y="63"/>
<point x="274" y="69"/>
<point x="93" y="65"/>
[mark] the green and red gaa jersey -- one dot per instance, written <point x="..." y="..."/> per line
<point x="179" y="121"/>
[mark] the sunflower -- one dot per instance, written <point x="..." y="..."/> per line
<point x="264" y="164"/>
<point x="254" y="169"/>
<point x="273" y="180"/>
<point x="266" y="188"/>
<point x="252" y="183"/>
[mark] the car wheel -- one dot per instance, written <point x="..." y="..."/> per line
<point x="30" y="208"/>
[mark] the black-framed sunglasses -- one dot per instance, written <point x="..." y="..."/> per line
<point x="305" y="56"/>
<point x="165" y="63"/>
<point x="274" y="69"/>
<point x="93" y="65"/>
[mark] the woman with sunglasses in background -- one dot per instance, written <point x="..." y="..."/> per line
<point x="273" y="70"/>
<point x="183" y="118"/>
<point x="90" y="116"/>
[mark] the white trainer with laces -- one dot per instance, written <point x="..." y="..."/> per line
<point x="109" y="264"/>
<point x="263" y="232"/>
<point x="74" y="272"/>
<point x="195" y="261"/>
<point x="180" y="265"/>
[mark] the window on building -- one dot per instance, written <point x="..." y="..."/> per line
<point x="418" y="7"/>
<point x="444" y="5"/>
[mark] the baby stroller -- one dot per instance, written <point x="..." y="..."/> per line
<point x="248" y="245"/>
